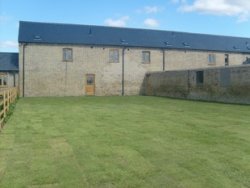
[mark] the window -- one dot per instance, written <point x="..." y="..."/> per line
<point x="90" y="79"/>
<point x="247" y="61"/>
<point x="114" y="56"/>
<point x="211" y="59"/>
<point x="67" y="54"/>
<point x="199" y="77"/>
<point x="145" y="57"/>
<point x="3" y="79"/>
<point x="226" y="59"/>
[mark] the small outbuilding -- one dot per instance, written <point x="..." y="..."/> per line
<point x="8" y="69"/>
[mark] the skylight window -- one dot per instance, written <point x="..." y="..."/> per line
<point x="37" y="38"/>
<point x="248" y="45"/>
<point x="236" y="48"/>
<point x="167" y="43"/>
<point x="185" y="44"/>
<point x="123" y="41"/>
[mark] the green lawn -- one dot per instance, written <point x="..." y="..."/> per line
<point x="125" y="142"/>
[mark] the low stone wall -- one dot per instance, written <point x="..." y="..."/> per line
<point x="222" y="84"/>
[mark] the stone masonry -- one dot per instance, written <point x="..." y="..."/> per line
<point x="46" y="74"/>
<point x="222" y="84"/>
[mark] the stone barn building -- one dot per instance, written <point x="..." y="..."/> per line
<point x="8" y="69"/>
<point x="76" y="60"/>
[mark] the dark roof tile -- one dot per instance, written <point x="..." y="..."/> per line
<point x="8" y="61"/>
<point x="33" y="32"/>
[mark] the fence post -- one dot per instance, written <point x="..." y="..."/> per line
<point x="2" y="113"/>
<point x="7" y="101"/>
<point x="9" y="96"/>
<point x="4" y="105"/>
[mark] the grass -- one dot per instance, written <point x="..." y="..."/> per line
<point x="125" y="142"/>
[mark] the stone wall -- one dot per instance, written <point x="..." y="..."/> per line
<point x="179" y="60"/>
<point x="222" y="84"/>
<point x="46" y="74"/>
<point x="12" y="79"/>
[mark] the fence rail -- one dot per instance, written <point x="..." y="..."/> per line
<point x="7" y="96"/>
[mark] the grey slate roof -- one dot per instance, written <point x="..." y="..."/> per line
<point x="8" y="62"/>
<point x="49" y="33"/>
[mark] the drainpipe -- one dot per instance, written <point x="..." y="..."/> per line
<point x="123" y="61"/>
<point x="163" y="59"/>
<point x="24" y="45"/>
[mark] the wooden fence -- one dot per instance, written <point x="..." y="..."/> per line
<point x="7" y="96"/>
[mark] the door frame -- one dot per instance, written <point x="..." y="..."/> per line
<point x="90" y="84"/>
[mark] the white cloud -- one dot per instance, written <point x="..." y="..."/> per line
<point x="239" y="8"/>
<point x="150" y="22"/>
<point x="120" y="22"/>
<point x="152" y="9"/>
<point x="8" y="44"/>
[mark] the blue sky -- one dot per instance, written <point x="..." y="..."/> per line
<point x="220" y="17"/>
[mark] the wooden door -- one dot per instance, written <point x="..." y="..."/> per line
<point x="90" y="85"/>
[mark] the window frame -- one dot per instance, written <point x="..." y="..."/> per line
<point x="112" y="56"/>
<point x="65" y="50"/>
<point x="199" y="78"/>
<point x="143" y="57"/>
<point x="226" y="60"/>
<point x="4" y="80"/>
<point x="90" y="79"/>
<point x="211" y="59"/>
